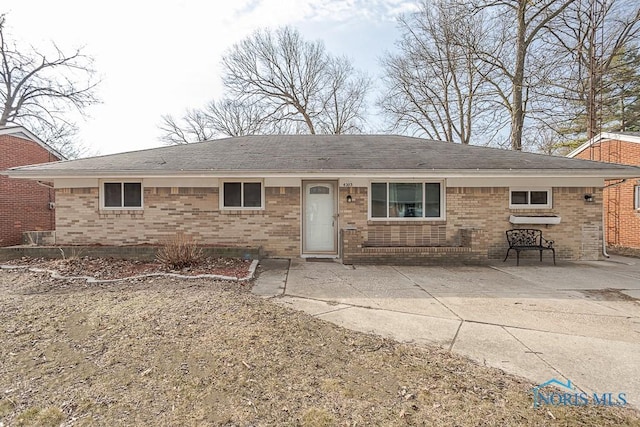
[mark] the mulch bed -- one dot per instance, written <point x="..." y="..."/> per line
<point x="111" y="268"/>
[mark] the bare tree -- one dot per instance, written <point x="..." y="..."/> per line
<point x="227" y="117"/>
<point x="40" y="90"/>
<point x="235" y="117"/>
<point x="296" y="81"/>
<point x="518" y="26"/>
<point x="436" y="86"/>
<point x="344" y="103"/>
<point x="192" y="127"/>
<point x="596" y="37"/>
<point x="541" y="138"/>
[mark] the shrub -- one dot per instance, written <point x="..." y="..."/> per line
<point x="180" y="252"/>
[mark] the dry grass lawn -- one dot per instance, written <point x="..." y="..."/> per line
<point x="162" y="351"/>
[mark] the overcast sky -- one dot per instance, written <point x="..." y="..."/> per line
<point x="161" y="57"/>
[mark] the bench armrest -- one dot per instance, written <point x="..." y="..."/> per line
<point x="546" y="243"/>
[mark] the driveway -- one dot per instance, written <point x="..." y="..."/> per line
<point x="575" y="321"/>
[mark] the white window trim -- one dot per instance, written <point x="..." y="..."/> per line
<point x="548" y="205"/>
<point x="240" y="208"/>
<point x="637" y="197"/>
<point x="443" y="209"/>
<point x="121" y="208"/>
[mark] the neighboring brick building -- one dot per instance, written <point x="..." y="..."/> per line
<point x="361" y="198"/>
<point x="25" y="205"/>
<point x="621" y="201"/>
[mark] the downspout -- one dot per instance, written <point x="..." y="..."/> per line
<point x="604" y="236"/>
<point x="604" y="221"/>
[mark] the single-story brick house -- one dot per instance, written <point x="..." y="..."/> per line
<point x="361" y="198"/>
<point x="25" y="205"/>
<point x="621" y="198"/>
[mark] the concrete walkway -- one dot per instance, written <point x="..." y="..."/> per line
<point x="577" y="321"/>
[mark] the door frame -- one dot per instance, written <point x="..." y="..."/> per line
<point x="336" y="210"/>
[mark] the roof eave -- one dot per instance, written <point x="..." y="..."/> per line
<point x="603" y="137"/>
<point x="432" y="173"/>
<point x="16" y="129"/>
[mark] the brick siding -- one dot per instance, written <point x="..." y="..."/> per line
<point x="623" y="220"/>
<point x="473" y="231"/>
<point x="24" y="205"/>
<point x="192" y="211"/>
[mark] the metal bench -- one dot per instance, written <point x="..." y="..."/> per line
<point x="528" y="239"/>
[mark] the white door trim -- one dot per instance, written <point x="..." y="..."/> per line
<point x="331" y="253"/>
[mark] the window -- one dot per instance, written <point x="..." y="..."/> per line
<point x="406" y="200"/>
<point x="530" y="198"/>
<point x="637" y="196"/>
<point x="242" y="195"/>
<point x="122" y="195"/>
<point x="319" y="189"/>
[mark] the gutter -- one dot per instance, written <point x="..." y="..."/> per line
<point x="604" y="173"/>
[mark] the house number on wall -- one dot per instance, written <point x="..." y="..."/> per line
<point x="347" y="184"/>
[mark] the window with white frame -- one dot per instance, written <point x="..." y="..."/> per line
<point x="406" y="200"/>
<point x="122" y="195"/>
<point x="637" y="196"/>
<point x="530" y="198"/>
<point x="242" y="195"/>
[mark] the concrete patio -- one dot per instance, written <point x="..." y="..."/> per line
<point x="577" y="321"/>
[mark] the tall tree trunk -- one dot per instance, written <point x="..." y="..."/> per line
<point x="591" y="96"/>
<point x="309" y="123"/>
<point x="517" y="105"/>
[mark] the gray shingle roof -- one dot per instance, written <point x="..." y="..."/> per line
<point x="318" y="153"/>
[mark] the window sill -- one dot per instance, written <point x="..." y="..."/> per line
<point x="242" y="211"/>
<point x="407" y="222"/>
<point x="116" y="213"/>
<point x="524" y="207"/>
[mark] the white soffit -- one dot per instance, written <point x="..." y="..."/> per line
<point x="180" y="182"/>
<point x="75" y="182"/>
<point x="282" y="182"/>
<point x="525" y="182"/>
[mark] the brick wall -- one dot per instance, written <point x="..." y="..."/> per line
<point x="474" y="229"/>
<point x="488" y="209"/>
<point x="623" y="220"/>
<point x="355" y="250"/>
<point x="24" y="205"/>
<point x="193" y="211"/>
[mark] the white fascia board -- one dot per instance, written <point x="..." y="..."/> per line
<point x="584" y="145"/>
<point x="16" y="131"/>
<point x="605" y="136"/>
<point x="629" y="172"/>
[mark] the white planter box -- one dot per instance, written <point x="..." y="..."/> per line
<point x="520" y="219"/>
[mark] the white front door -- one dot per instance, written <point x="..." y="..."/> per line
<point x="320" y="219"/>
